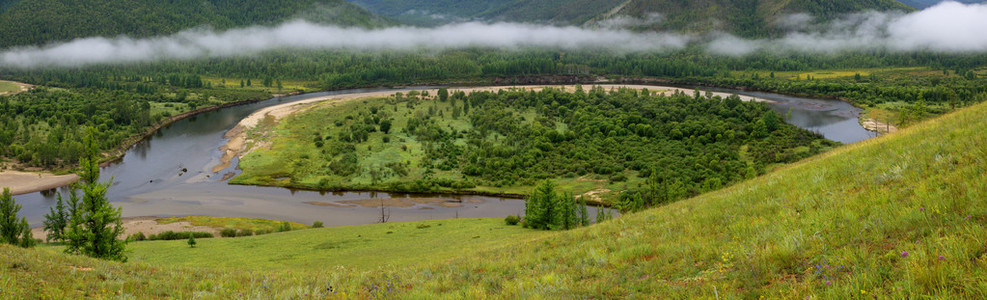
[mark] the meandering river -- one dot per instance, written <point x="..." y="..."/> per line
<point x="169" y="173"/>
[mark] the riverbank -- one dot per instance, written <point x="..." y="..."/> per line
<point x="26" y="182"/>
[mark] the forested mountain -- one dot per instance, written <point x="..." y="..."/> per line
<point x="920" y="4"/>
<point x="35" y="22"/>
<point x="750" y="18"/>
<point x="432" y="12"/>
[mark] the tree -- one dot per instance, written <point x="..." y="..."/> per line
<point x="95" y="224"/>
<point x="443" y="95"/>
<point x="385" y="126"/>
<point x="56" y="220"/>
<point x="583" y="213"/>
<point x="10" y="229"/>
<point x="27" y="238"/>
<point x="191" y="240"/>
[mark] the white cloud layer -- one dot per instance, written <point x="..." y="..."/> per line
<point x="947" y="27"/>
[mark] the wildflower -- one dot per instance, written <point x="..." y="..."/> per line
<point x="904" y="254"/>
<point x="828" y="283"/>
<point x="921" y="208"/>
<point x="863" y="292"/>
<point x="942" y="258"/>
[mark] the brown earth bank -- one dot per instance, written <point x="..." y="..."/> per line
<point x="146" y="225"/>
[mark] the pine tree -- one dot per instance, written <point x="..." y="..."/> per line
<point x="27" y="238"/>
<point x="95" y="224"/>
<point x="583" y="212"/>
<point x="10" y="229"/>
<point x="191" y="240"/>
<point x="56" y="220"/>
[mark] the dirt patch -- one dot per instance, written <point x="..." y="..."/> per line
<point x="26" y="182"/>
<point x="24" y="87"/>
<point x="147" y="225"/>
<point x="594" y="195"/>
<point x="874" y="125"/>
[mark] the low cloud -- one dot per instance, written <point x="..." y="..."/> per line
<point x="947" y="27"/>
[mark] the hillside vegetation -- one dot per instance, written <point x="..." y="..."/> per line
<point x="506" y="141"/>
<point x="897" y="216"/>
<point x="920" y="4"/>
<point x="37" y="22"/>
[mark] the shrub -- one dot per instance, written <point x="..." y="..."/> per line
<point x="423" y="226"/>
<point x="285" y="226"/>
<point x="137" y="237"/>
<point x="171" y="235"/>
<point x="317" y="224"/>
<point x="227" y="232"/>
<point x="262" y="231"/>
<point x="245" y="232"/>
<point x="512" y="220"/>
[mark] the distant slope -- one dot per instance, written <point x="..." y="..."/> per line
<point x="900" y="216"/>
<point x="431" y="12"/>
<point x="921" y="4"/>
<point x="749" y="18"/>
<point x="35" y="22"/>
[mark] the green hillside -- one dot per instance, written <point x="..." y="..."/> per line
<point x="751" y="18"/>
<point x="431" y="12"/>
<point x="921" y="4"/>
<point x="35" y="22"/>
<point x="901" y="216"/>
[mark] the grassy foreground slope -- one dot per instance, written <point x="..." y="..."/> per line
<point x="897" y="216"/>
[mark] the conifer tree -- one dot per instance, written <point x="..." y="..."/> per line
<point x="56" y="220"/>
<point x="10" y="229"/>
<point x="583" y="212"/>
<point x="95" y="224"/>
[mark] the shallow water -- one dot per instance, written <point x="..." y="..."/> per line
<point x="169" y="174"/>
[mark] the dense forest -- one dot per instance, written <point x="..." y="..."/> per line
<point x="38" y="22"/>
<point x="421" y="142"/>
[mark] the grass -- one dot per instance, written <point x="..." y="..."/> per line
<point x="231" y="222"/>
<point x="829" y="74"/>
<point x="899" y="216"/>
<point x="368" y="246"/>
<point x="6" y="87"/>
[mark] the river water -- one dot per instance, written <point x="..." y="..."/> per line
<point x="169" y="173"/>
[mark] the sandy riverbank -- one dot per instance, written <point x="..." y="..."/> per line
<point x="239" y="144"/>
<point x="25" y="182"/>
<point x="147" y="225"/>
<point x="876" y="126"/>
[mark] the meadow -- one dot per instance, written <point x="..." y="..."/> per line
<point x="899" y="216"/>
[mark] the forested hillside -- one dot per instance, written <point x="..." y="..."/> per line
<point x="749" y="18"/>
<point x="920" y="4"/>
<point x="431" y="12"/>
<point x="35" y="22"/>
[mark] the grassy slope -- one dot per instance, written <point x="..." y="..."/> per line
<point x="897" y="216"/>
<point x="396" y="244"/>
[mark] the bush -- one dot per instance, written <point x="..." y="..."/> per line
<point x="171" y="235"/>
<point x="137" y="237"/>
<point x="262" y="231"/>
<point x="317" y="224"/>
<point x="245" y="232"/>
<point x="285" y="226"/>
<point x="512" y="220"/>
<point x="227" y="232"/>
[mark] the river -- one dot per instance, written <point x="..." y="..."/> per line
<point x="169" y="173"/>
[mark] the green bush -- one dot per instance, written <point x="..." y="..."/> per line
<point x="245" y="232"/>
<point x="228" y="232"/>
<point x="317" y="224"/>
<point x="512" y="220"/>
<point x="171" y="235"/>
<point x="137" y="237"/>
